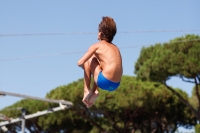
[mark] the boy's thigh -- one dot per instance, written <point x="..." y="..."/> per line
<point x="94" y="67"/>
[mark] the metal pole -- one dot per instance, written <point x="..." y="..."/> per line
<point x="36" y="98"/>
<point x="39" y="113"/>
<point x="23" y="120"/>
<point x="23" y="125"/>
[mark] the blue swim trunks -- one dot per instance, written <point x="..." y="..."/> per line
<point x="106" y="84"/>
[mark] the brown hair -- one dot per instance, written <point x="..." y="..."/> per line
<point x="108" y="29"/>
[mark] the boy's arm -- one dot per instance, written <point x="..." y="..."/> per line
<point x="88" y="54"/>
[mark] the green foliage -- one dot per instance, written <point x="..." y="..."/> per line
<point x="179" y="57"/>
<point x="197" y="128"/>
<point x="193" y="99"/>
<point x="135" y="105"/>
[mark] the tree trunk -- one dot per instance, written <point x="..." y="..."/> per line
<point x="92" y="122"/>
<point x="184" y="101"/>
<point x="113" y="123"/>
<point x="197" y="91"/>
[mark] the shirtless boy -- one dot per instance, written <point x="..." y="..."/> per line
<point x="102" y="60"/>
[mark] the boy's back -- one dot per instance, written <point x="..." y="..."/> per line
<point x="110" y="60"/>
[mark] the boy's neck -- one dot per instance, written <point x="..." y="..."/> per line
<point x="105" y="41"/>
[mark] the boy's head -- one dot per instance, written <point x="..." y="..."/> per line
<point x="107" y="29"/>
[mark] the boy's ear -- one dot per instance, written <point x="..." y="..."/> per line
<point x="99" y="36"/>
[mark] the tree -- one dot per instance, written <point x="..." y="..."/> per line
<point x="135" y="106"/>
<point x="180" y="57"/>
<point x="194" y="102"/>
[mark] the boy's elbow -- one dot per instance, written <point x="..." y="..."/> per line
<point x="80" y="63"/>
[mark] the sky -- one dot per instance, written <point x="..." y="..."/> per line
<point x="41" y="41"/>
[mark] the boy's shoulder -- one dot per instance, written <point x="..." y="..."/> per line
<point x="102" y="44"/>
<point x="98" y="44"/>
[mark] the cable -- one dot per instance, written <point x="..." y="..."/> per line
<point x="78" y="52"/>
<point x="84" y="33"/>
<point x="42" y="56"/>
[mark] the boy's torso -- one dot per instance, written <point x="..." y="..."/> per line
<point x="110" y="61"/>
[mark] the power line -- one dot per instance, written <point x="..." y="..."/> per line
<point x="85" y="33"/>
<point x="78" y="52"/>
<point x="57" y="54"/>
<point x="42" y="56"/>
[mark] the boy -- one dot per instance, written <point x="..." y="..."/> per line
<point x="103" y="60"/>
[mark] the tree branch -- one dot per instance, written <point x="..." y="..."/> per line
<point x="197" y="91"/>
<point x="186" y="80"/>
<point x="34" y="123"/>
<point x="133" y="131"/>
<point x="126" y="126"/>
<point x="183" y="101"/>
<point x="198" y="79"/>
<point x="92" y="122"/>
<point x="113" y="123"/>
<point x="127" y="122"/>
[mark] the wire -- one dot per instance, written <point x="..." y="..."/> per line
<point x="78" y="52"/>
<point x="46" y="34"/>
<point x="42" y="56"/>
<point x="84" y="33"/>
